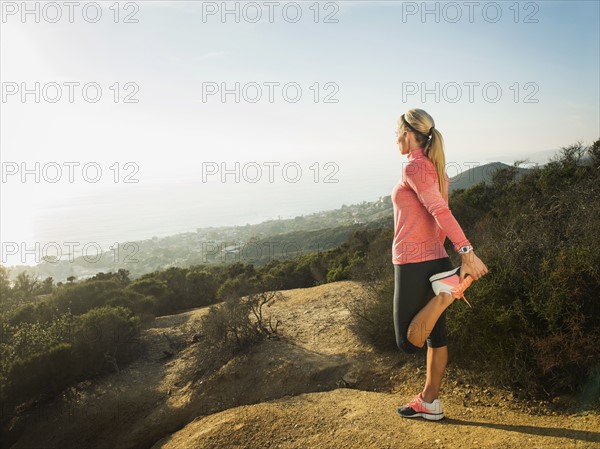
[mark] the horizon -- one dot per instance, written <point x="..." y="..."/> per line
<point x="167" y="234"/>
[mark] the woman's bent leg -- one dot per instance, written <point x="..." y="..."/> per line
<point x="424" y="321"/>
<point x="412" y="293"/>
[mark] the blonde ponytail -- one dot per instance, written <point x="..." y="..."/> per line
<point x="431" y="140"/>
<point x="434" y="150"/>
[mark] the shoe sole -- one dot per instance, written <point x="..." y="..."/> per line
<point x="427" y="416"/>
<point x="447" y="274"/>
<point x="444" y="275"/>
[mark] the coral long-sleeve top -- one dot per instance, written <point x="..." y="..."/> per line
<point x="422" y="218"/>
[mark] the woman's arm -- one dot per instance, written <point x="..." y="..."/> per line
<point x="422" y="178"/>
<point x="472" y="265"/>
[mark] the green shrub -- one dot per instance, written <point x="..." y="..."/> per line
<point x="341" y="267"/>
<point x="41" y="358"/>
<point x="103" y="339"/>
<point x="182" y="288"/>
<point x="82" y="297"/>
<point x="376" y="261"/>
<point x="373" y="321"/>
<point x="40" y="373"/>
<point x="31" y="312"/>
<point x="27" y="346"/>
<point x="303" y="271"/>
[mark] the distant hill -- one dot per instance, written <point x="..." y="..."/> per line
<point x="475" y="175"/>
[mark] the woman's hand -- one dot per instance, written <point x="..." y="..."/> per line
<point x="472" y="265"/>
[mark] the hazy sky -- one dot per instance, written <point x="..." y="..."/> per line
<point x="543" y="56"/>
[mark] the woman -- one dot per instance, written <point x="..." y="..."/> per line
<point x="425" y="281"/>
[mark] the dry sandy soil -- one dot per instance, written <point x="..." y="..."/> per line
<point x="316" y="386"/>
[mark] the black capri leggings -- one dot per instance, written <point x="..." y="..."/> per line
<point x="412" y="290"/>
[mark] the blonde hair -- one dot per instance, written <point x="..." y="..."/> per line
<point x="433" y="147"/>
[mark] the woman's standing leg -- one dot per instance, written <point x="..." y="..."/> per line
<point x="437" y="359"/>
<point x="411" y="292"/>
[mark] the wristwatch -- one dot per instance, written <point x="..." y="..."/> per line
<point x="465" y="249"/>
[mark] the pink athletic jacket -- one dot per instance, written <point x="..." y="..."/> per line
<point x="422" y="219"/>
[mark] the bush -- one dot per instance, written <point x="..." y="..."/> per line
<point x="376" y="265"/>
<point x="27" y="357"/>
<point x="341" y="267"/>
<point x="233" y="288"/>
<point x="80" y="298"/>
<point x="41" y="358"/>
<point x="373" y="320"/>
<point x="180" y="288"/>
<point x="303" y="271"/>
<point x="31" y="312"/>
<point x="239" y="322"/>
<point x="45" y="372"/>
<point x="103" y="338"/>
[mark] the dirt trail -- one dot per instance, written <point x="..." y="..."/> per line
<point x="348" y="418"/>
<point x="317" y="386"/>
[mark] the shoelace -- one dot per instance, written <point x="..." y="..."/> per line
<point x="458" y="291"/>
<point x="414" y="402"/>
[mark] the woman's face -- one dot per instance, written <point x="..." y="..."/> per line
<point x="402" y="140"/>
